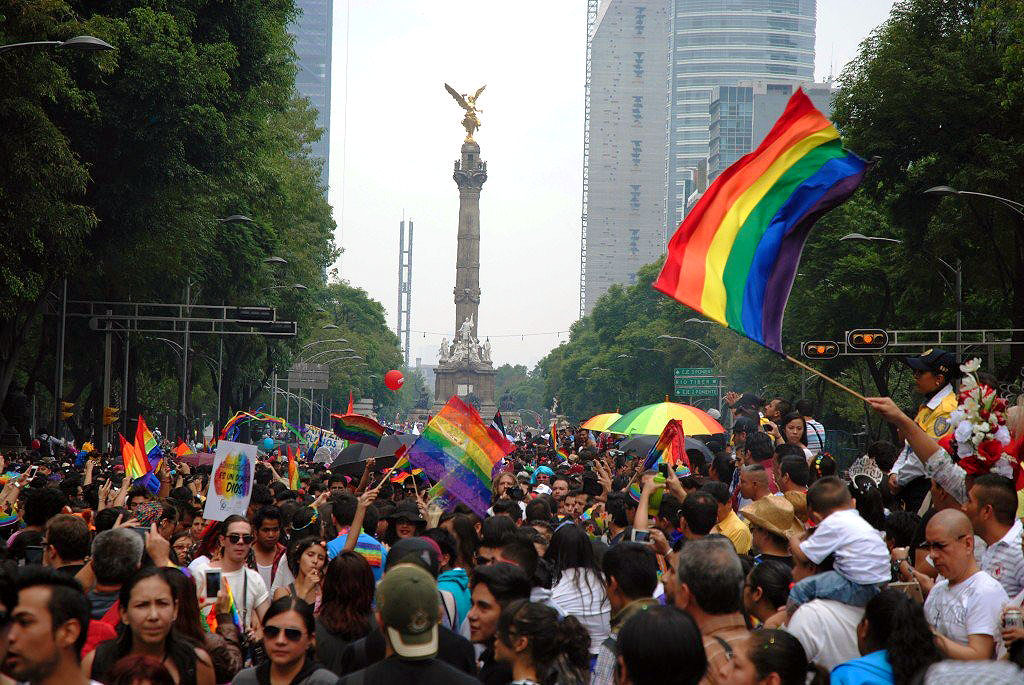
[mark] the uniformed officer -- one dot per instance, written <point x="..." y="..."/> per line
<point x="935" y="375"/>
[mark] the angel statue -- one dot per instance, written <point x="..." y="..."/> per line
<point x="466" y="329"/>
<point x="468" y="102"/>
<point x="442" y="354"/>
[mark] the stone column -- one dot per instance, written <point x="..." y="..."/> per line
<point x="470" y="174"/>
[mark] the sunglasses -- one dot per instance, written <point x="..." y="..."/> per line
<point x="293" y="634"/>
<point x="235" y="538"/>
<point x="938" y="546"/>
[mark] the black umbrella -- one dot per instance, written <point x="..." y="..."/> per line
<point x="357" y="453"/>
<point x="640" y="445"/>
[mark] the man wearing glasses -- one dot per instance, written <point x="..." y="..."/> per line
<point x="236" y="542"/>
<point x="964" y="607"/>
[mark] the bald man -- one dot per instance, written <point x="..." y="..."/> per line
<point x="964" y="607"/>
<point x="754" y="482"/>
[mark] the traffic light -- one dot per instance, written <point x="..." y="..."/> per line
<point x="818" y="349"/>
<point x="867" y="339"/>
<point x="110" y="415"/>
<point x="65" y="410"/>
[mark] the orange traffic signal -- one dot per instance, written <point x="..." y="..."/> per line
<point x="110" y="415"/>
<point x="817" y="349"/>
<point x="66" y="408"/>
<point x="867" y="339"/>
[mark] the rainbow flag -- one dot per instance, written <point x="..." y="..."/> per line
<point x="358" y="428"/>
<point x="403" y="476"/>
<point x="670" y="448"/>
<point x="403" y="461"/>
<point x="734" y="256"/>
<point x="563" y="456"/>
<point x="211" y="618"/>
<point x="135" y="464"/>
<point x="293" y="471"/>
<point x="458" y="448"/>
<point x="181" y="449"/>
<point x="145" y="443"/>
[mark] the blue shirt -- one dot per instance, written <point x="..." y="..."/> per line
<point x="871" y="669"/>
<point x="366" y="545"/>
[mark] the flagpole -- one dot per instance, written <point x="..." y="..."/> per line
<point x="831" y="380"/>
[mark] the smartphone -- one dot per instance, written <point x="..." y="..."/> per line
<point x="33" y="554"/>
<point x="212" y="582"/>
<point x="32" y="471"/>
<point x="140" y="531"/>
<point x="641" y="536"/>
<point x="663" y="468"/>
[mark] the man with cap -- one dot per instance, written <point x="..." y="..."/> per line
<point x="935" y="372"/>
<point x="772" y="522"/>
<point x="408" y="613"/>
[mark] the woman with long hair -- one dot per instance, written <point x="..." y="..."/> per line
<point x="289" y="639"/>
<point x="895" y="641"/>
<point x="345" y="613"/>
<point x="773" y="656"/>
<point x="306" y="560"/>
<point x="467" y="539"/>
<point x="792" y="430"/>
<point x="577" y="582"/>
<point x="766" y="589"/>
<point x="149" y="606"/>
<point x="182" y="546"/>
<point x="140" y="670"/>
<point x="223" y="646"/>
<point x="641" y="645"/>
<point x="540" y="649"/>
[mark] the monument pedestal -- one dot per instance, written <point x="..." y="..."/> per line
<point x="473" y="385"/>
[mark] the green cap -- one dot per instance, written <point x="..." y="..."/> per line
<point x="409" y="607"/>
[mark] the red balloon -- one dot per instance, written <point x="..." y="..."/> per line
<point x="394" y="379"/>
<point x="36" y="444"/>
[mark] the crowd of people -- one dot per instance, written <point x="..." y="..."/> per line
<point x="755" y="562"/>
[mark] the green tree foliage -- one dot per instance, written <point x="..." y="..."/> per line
<point x="517" y="388"/>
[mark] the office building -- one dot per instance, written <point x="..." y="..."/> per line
<point x="742" y="115"/>
<point x="718" y="44"/>
<point x="624" y="163"/>
<point x="312" y="31"/>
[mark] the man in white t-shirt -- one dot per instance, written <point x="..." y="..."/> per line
<point x="244" y="582"/>
<point x="964" y="607"/>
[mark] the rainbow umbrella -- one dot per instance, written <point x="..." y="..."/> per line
<point x="650" y="419"/>
<point x="601" y="422"/>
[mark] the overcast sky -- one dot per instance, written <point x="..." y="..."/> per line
<point x="403" y="135"/>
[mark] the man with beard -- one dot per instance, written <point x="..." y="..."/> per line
<point x="47" y="630"/>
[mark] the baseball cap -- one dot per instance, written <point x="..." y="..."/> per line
<point x="421" y="551"/>
<point x="407" y="601"/>
<point x="936" y="361"/>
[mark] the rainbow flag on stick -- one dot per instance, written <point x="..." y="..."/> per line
<point x="563" y="456"/>
<point x="293" y="471"/>
<point x="211" y="618"/>
<point x="670" y="448"/>
<point x="734" y="256"/>
<point x="358" y="428"/>
<point x="456" y="447"/>
<point x="146" y="443"/>
<point x="181" y="449"/>
<point x="135" y="465"/>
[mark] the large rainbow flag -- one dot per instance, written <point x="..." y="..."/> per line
<point x="135" y="464"/>
<point x="358" y="428"/>
<point x="456" y="447"/>
<point x="734" y="256"/>
<point x="670" y="448"/>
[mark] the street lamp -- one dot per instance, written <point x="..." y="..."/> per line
<point x="292" y="286"/>
<point x="274" y="259"/>
<point x="947" y="190"/>
<point x="703" y="348"/>
<point x="694" y="319"/>
<point x="83" y="43"/>
<point x="236" y="219"/>
<point x="329" y="326"/>
<point x="957" y="272"/>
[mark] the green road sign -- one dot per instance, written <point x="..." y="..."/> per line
<point x="706" y="382"/>
<point x="691" y="391"/>
<point x="694" y="371"/>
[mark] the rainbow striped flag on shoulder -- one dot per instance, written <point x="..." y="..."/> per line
<point x="211" y="618"/>
<point x="458" y="449"/>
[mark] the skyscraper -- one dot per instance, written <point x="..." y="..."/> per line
<point x="312" y="31"/>
<point x="625" y="160"/>
<point x="718" y="43"/>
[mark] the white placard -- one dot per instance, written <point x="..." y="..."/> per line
<point x="231" y="481"/>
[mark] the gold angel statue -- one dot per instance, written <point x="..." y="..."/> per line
<point x="468" y="102"/>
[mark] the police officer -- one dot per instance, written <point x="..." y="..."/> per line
<point x="935" y="377"/>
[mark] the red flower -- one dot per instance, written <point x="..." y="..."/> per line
<point x="990" y="450"/>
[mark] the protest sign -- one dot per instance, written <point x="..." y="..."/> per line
<point x="234" y="470"/>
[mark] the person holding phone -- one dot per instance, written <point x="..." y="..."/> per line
<point x="251" y="595"/>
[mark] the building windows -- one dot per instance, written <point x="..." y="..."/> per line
<point x="638" y="64"/>
<point x="639" y="19"/>
<point x="634" y="196"/>
<point x="638" y="108"/>
<point x="634" y="241"/>
<point x="464" y="389"/>
<point x="636" y="152"/>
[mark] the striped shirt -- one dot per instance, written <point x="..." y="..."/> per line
<point x="1004" y="561"/>
<point x="815" y="437"/>
<point x="366" y="545"/>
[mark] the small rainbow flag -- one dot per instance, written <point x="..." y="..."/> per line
<point x="293" y="471"/>
<point x="211" y="618"/>
<point x="735" y="255"/>
<point x="358" y="428"/>
<point x="458" y="448"/>
<point x="670" y="448"/>
<point x="181" y="449"/>
<point x="135" y="465"/>
<point x="146" y="443"/>
<point x="563" y="456"/>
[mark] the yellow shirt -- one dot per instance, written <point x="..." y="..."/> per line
<point x="933" y="417"/>
<point x="736" y="530"/>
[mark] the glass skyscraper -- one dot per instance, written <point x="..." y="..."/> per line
<point x="718" y="43"/>
<point x="312" y="31"/>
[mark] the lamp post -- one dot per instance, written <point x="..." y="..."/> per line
<point x="701" y="346"/>
<point x="947" y="190"/>
<point x="957" y="272"/>
<point x="83" y="43"/>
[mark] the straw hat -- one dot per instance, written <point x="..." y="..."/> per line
<point x="774" y="514"/>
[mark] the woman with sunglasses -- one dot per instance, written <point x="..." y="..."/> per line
<point x="306" y="560"/>
<point x="289" y="638"/>
<point x="250" y="592"/>
<point x="149" y="607"/>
